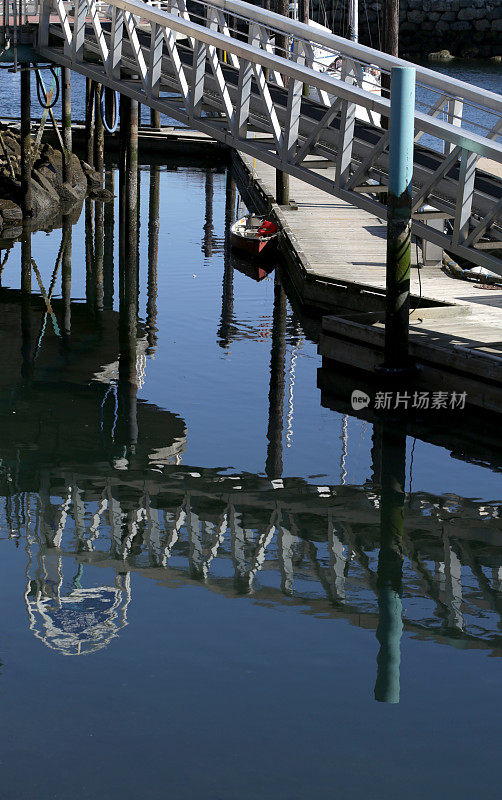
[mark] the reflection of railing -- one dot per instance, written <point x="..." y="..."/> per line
<point x="316" y="547"/>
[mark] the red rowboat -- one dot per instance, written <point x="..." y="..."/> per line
<point x="252" y="234"/>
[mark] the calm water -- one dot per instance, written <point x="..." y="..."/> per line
<point x="201" y="596"/>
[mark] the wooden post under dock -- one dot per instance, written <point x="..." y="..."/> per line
<point x="99" y="136"/>
<point x="26" y="157"/>
<point x="66" y="122"/>
<point x="154" y="119"/>
<point x="89" y="121"/>
<point x="281" y="49"/>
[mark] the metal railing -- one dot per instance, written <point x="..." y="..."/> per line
<point x="216" y="68"/>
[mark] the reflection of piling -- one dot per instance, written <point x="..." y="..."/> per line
<point x="26" y="157"/>
<point x="273" y="466"/>
<point x="227" y="295"/>
<point x="27" y="366"/>
<point x="99" y="136"/>
<point x="390" y="562"/>
<point x="90" y="289"/>
<point x="153" y="255"/>
<point x="208" y="222"/>
<point x="109" y="223"/>
<point x="66" y="122"/>
<point x="376" y="454"/>
<point x="99" y="253"/>
<point x="128" y="275"/>
<point x="89" y="121"/>
<point x="66" y="279"/>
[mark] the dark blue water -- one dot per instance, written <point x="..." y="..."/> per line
<point x="201" y="596"/>
<point x="185" y="617"/>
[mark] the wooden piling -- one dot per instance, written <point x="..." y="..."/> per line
<point x="155" y="119"/>
<point x="132" y="158"/>
<point x="66" y="122"/>
<point x="390" y="43"/>
<point x="26" y="155"/>
<point x="281" y="49"/>
<point x="89" y="121"/>
<point x="99" y="135"/>
<point x="281" y="187"/>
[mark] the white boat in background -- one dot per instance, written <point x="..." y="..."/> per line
<point x="330" y="61"/>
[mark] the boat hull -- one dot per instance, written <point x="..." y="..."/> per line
<point x="253" y="247"/>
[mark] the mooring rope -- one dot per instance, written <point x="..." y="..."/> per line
<point x="45" y="103"/>
<point x="102" y="110"/>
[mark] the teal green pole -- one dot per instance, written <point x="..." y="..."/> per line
<point x="399" y="204"/>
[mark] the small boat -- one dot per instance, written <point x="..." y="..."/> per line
<point x="252" y="234"/>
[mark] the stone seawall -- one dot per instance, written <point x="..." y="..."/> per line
<point x="467" y="28"/>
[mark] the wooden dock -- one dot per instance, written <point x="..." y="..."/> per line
<point x="336" y="257"/>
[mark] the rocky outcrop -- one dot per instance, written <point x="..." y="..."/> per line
<point x="51" y="196"/>
<point x="467" y="28"/>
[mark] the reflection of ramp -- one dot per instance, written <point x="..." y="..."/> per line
<point x="312" y="547"/>
<point x="80" y="623"/>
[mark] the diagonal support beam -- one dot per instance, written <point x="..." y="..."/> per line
<point x="170" y="39"/>
<point x="439" y="173"/>
<point x="130" y="24"/>
<point x="98" y="30"/>
<point x="466" y="180"/>
<point x="198" y="75"/>
<point x="484" y="224"/>
<point x="312" y="139"/>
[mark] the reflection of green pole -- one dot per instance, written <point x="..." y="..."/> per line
<point x="399" y="205"/>
<point x="390" y="562"/>
<point x="389" y="632"/>
<point x="76" y="579"/>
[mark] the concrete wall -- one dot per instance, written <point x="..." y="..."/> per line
<point x="467" y="28"/>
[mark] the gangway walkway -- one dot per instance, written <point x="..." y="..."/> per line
<point x="214" y="67"/>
